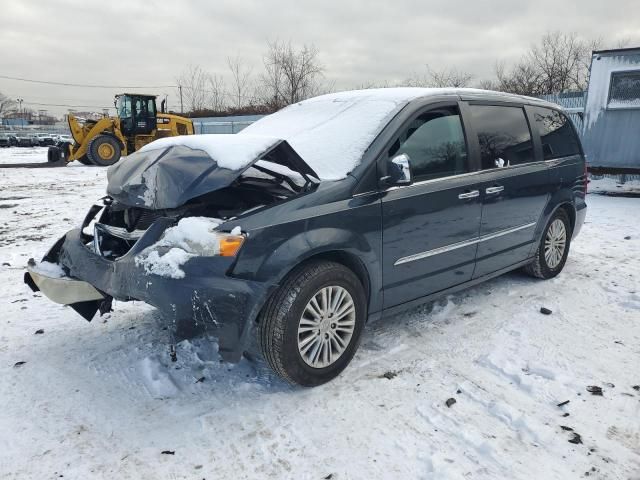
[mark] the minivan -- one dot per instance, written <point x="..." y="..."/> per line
<point x="289" y="237"/>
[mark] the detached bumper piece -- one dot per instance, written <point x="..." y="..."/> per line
<point x="79" y="295"/>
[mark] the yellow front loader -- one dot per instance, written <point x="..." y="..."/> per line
<point x="104" y="141"/>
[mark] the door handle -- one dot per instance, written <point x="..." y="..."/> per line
<point x="497" y="189"/>
<point x="471" y="194"/>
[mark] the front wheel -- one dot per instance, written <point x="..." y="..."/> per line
<point x="104" y="150"/>
<point x="310" y="328"/>
<point x="553" y="249"/>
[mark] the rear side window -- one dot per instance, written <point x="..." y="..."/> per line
<point x="503" y="134"/>
<point x="558" y="137"/>
<point x="435" y="145"/>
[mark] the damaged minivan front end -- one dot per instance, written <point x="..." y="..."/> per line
<point x="170" y="230"/>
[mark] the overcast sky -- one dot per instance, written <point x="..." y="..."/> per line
<point x="148" y="43"/>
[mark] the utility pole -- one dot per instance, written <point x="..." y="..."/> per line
<point x="20" y="100"/>
<point x="181" y="106"/>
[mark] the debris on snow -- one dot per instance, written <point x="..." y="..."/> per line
<point x="562" y="404"/>
<point x="545" y="311"/>
<point x="594" y="390"/>
<point x="450" y="402"/>
<point x="168" y="452"/>
<point x="40" y="331"/>
<point x="389" y="375"/>
<point x="575" y="438"/>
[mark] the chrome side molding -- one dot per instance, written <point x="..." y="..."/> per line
<point x="466" y="243"/>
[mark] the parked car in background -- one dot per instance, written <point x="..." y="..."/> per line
<point x="27" y="140"/>
<point x="330" y="213"/>
<point x="45" y="139"/>
<point x="63" y="138"/>
<point x="13" y="138"/>
<point x="5" y="140"/>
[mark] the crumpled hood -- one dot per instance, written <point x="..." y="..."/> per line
<point x="167" y="173"/>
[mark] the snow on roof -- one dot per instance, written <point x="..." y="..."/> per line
<point x="228" y="150"/>
<point x="332" y="132"/>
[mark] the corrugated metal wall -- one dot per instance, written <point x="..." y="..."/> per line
<point x="611" y="134"/>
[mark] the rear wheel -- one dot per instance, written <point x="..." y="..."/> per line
<point x="310" y="328"/>
<point x="553" y="249"/>
<point x="104" y="150"/>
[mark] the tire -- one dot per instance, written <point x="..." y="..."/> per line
<point x="53" y="154"/>
<point x="282" y="345"/>
<point x="546" y="264"/>
<point x="104" y="150"/>
<point x="84" y="160"/>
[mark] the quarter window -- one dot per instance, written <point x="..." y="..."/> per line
<point x="557" y="136"/>
<point x="435" y="145"/>
<point x="503" y="134"/>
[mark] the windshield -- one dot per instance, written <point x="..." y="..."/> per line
<point x="123" y="105"/>
<point x="332" y="132"/>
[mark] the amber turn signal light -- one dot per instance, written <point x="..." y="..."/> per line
<point x="230" y="245"/>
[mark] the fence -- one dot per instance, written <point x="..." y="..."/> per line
<point x="223" y="124"/>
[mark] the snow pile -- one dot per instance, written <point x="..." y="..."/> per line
<point x="229" y="151"/>
<point x="166" y="265"/>
<point x="48" y="269"/>
<point x="157" y="377"/>
<point x="192" y="236"/>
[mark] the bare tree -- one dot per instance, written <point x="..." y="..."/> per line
<point x="446" y="77"/>
<point x="488" y="84"/>
<point x="290" y="75"/>
<point x="6" y="104"/>
<point x="560" y="59"/>
<point x="193" y="83"/>
<point x="558" y="63"/>
<point x="241" y="81"/>
<point x="522" y="79"/>
<point x="216" y="93"/>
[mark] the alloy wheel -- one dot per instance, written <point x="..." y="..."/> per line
<point x="555" y="243"/>
<point x="326" y="326"/>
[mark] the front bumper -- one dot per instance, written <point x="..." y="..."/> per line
<point x="207" y="295"/>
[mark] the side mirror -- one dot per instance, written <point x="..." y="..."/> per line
<point x="399" y="171"/>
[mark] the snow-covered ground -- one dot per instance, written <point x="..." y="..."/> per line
<point x="103" y="400"/>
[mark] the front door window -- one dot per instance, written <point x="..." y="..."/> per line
<point x="435" y="145"/>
